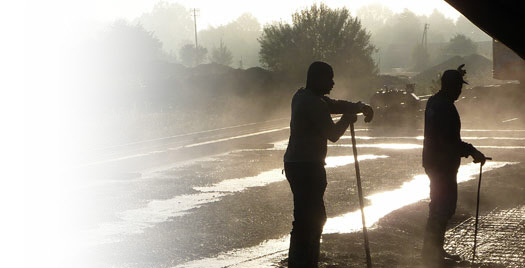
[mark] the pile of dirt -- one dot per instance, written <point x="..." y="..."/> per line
<point x="479" y="71"/>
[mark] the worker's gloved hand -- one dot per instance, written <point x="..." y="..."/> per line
<point x="368" y="112"/>
<point x="351" y="118"/>
<point x="478" y="157"/>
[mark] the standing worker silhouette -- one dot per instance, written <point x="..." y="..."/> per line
<point x="442" y="152"/>
<point x="310" y="127"/>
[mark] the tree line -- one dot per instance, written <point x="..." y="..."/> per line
<point x="237" y="44"/>
<point x="398" y="37"/>
<point x="147" y="70"/>
<point x="356" y="46"/>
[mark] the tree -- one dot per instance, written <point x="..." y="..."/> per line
<point x="124" y="42"/>
<point x="396" y="39"/>
<point x="405" y="28"/>
<point x="171" y="23"/>
<point x="221" y="55"/>
<point x="460" y="45"/>
<point x="191" y="56"/>
<point x="374" y="16"/>
<point x="122" y="62"/>
<point x="125" y="49"/>
<point x="441" y="27"/>
<point x="240" y="36"/>
<point x="319" y="33"/>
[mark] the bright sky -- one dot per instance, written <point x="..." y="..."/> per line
<point x="217" y="12"/>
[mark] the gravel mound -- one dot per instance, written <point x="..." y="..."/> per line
<point x="479" y="70"/>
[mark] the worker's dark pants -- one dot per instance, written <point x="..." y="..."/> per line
<point x="443" y="198"/>
<point x="308" y="183"/>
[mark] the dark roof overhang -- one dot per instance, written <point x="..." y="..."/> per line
<point x="504" y="20"/>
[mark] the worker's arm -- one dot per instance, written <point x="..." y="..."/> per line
<point x="467" y="149"/>
<point x="445" y="134"/>
<point x="342" y="106"/>
<point x="462" y="148"/>
<point x="478" y="156"/>
<point x="347" y="107"/>
<point x="322" y="121"/>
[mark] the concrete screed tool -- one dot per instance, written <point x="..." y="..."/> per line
<point x="477" y="211"/>
<point x="361" y="201"/>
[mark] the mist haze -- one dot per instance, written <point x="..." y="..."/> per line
<point x="127" y="118"/>
<point x="151" y="67"/>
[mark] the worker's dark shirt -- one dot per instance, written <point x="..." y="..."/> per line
<point x="311" y="125"/>
<point x="443" y="147"/>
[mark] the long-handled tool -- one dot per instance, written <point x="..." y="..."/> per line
<point x="361" y="201"/>
<point x="477" y="210"/>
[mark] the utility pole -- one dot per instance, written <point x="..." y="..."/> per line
<point x="196" y="43"/>
<point x="379" y="60"/>
<point x="424" y="39"/>
<point x="421" y="58"/>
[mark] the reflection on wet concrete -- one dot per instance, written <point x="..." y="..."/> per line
<point x="408" y="146"/>
<point x="275" y="175"/>
<point x="136" y="220"/>
<point x="337" y="161"/>
<point x="171" y="149"/>
<point x="346" y="137"/>
<point x="280" y="145"/>
<point x="500" y="147"/>
<point x="386" y="202"/>
<point x="131" y="156"/>
<point x="421" y="138"/>
<point x="235" y="137"/>
<point x="394" y="146"/>
<point x="381" y="204"/>
<point x="493" y="130"/>
<point x="157" y="211"/>
<point x="238" y="185"/>
<point x="265" y="254"/>
<point x="494" y="138"/>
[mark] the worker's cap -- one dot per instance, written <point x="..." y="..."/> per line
<point x="450" y="76"/>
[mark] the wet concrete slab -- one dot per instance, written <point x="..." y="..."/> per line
<point x="265" y="254"/>
<point x="134" y="221"/>
<point x="397" y="240"/>
<point x="221" y="208"/>
<point x="500" y="238"/>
